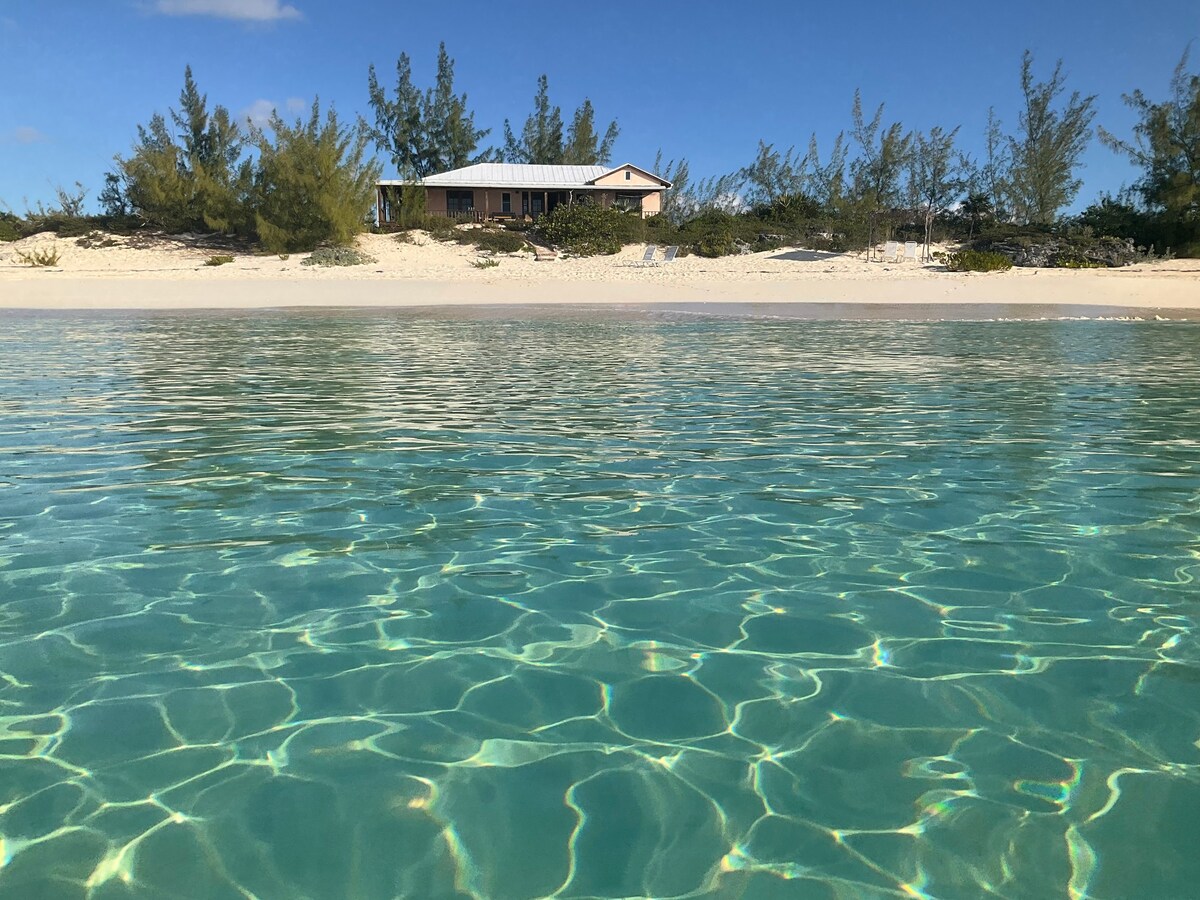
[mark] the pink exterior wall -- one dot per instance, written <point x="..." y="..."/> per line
<point x="651" y="200"/>
<point x="636" y="179"/>
<point x="490" y="200"/>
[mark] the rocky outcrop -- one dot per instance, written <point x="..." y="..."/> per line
<point x="1053" y="251"/>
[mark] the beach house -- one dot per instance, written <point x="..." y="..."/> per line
<point x="509" y="191"/>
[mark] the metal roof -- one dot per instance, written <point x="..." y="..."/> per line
<point x="513" y="175"/>
<point x="498" y="174"/>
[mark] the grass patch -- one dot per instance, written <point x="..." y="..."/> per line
<point x="44" y="257"/>
<point x="337" y="256"/>
<point x="495" y="240"/>
<point x="220" y="259"/>
<point x="485" y="263"/>
<point x="978" y="261"/>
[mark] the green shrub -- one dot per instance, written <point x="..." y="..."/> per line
<point x="443" y="228"/>
<point x="221" y="259"/>
<point x="712" y="234"/>
<point x="485" y="263"/>
<point x="42" y="257"/>
<point x="977" y="261"/>
<point x="337" y="256"/>
<point x="584" y="229"/>
<point x="10" y="227"/>
<point x="315" y="183"/>
<point x="492" y="239"/>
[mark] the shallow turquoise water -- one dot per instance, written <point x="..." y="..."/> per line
<point x="588" y="606"/>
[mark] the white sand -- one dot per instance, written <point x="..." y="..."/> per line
<point x="170" y="274"/>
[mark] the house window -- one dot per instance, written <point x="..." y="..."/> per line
<point x="506" y="203"/>
<point x="460" y="201"/>
<point x="628" y="176"/>
<point x="628" y="202"/>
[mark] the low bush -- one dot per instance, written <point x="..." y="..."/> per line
<point x="10" y="227"/>
<point x="485" y="263"/>
<point x="977" y="261"/>
<point x="337" y="256"/>
<point x="495" y="240"/>
<point x="40" y="257"/>
<point x="220" y="259"/>
<point x="584" y="229"/>
<point x="712" y="234"/>
<point x="440" y="227"/>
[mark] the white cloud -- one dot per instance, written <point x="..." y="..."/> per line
<point x="242" y="10"/>
<point x="259" y="112"/>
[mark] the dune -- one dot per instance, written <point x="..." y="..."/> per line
<point x="113" y="272"/>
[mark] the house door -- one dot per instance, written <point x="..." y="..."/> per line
<point x="533" y="203"/>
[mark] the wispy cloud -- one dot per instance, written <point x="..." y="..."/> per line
<point x="23" y="134"/>
<point x="241" y="10"/>
<point x="259" y="112"/>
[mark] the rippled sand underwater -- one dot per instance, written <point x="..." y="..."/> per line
<point x="597" y="606"/>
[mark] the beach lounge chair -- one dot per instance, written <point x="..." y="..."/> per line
<point x="670" y="255"/>
<point x="910" y="251"/>
<point x="648" y="257"/>
<point x="890" y="250"/>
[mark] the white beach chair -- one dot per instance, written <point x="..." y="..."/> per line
<point x="648" y="257"/>
<point x="910" y="250"/>
<point x="890" y="249"/>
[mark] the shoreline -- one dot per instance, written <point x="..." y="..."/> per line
<point x="973" y="297"/>
<point x="172" y="275"/>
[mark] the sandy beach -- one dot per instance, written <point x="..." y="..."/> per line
<point x="170" y="273"/>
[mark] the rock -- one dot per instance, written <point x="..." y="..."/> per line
<point x="1051" y="251"/>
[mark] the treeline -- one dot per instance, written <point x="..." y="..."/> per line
<point x="425" y="132"/>
<point x="295" y="185"/>
<point x="288" y="186"/>
<point x="880" y="180"/>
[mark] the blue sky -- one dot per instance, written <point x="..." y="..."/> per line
<point x="700" y="79"/>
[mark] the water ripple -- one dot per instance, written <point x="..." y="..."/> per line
<point x="394" y="604"/>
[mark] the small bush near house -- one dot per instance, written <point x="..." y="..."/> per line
<point x="493" y="239"/>
<point x="583" y="229"/>
<point x="337" y="256"/>
<point x="977" y="261"/>
<point x="440" y="227"/>
<point x="221" y="259"/>
<point x="712" y="235"/>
